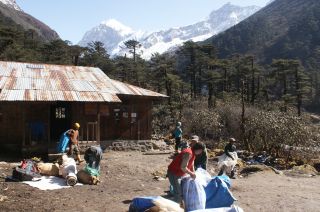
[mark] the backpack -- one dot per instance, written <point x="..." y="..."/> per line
<point x="63" y="142"/>
<point x="26" y="171"/>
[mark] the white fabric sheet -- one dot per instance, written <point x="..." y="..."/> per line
<point x="49" y="183"/>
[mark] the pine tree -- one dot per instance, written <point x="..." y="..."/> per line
<point x="133" y="46"/>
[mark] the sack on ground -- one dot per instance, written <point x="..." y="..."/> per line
<point x="167" y="205"/>
<point x="203" y="177"/>
<point x="230" y="209"/>
<point x="193" y="193"/>
<point x="68" y="170"/>
<point x="154" y="204"/>
<point x="141" y="204"/>
<point x="92" y="171"/>
<point x="86" y="178"/>
<point x="218" y="194"/>
<point x="26" y="171"/>
<point x="49" y="169"/>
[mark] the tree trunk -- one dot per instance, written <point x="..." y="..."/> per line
<point x="285" y="91"/>
<point x="134" y="53"/>
<point x="210" y="94"/>
<point x="242" y="124"/>
<point x="253" y="89"/>
<point x="238" y="75"/>
<point x="225" y="80"/>
<point x="200" y="82"/>
<point x="298" y="91"/>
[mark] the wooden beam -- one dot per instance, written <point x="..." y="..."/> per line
<point x="49" y="125"/>
<point x="98" y="127"/>
<point x="23" y="124"/>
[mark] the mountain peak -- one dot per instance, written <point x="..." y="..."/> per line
<point x="12" y="4"/>
<point x="113" y="33"/>
<point x="118" y="26"/>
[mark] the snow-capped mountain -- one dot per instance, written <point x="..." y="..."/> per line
<point x="113" y="33"/>
<point x="12" y="4"/>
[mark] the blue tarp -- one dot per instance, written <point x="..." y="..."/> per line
<point x="141" y="204"/>
<point x="218" y="194"/>
<point x="63" y="143"/>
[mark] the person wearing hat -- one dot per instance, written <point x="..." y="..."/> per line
<point x="230" y="147"/>
<point x="74" y="143"/>
<point x="182" y="165"/>
<point x="177" y="133"/>
<point x="201" y="160"/>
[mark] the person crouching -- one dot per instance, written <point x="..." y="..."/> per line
<point x="93" y="156"/>
<point x="182" y="165"/>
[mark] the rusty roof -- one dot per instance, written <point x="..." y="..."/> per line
<point x="44" y="82"/>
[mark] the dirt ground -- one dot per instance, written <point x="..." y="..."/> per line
<point x="126" y="175"/>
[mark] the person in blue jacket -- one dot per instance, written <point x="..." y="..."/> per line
<point x="177" y="134"/>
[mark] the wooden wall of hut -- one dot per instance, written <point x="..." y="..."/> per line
<point x="129" y="121"/>
<point x="38" y="125"/>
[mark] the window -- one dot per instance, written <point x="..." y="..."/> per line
<point x="134" y="117"/>
<point x="125" y="114"/>
<point x="60" y="113"/>
<point x="117" y="114"/>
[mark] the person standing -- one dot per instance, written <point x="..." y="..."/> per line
<point x="177" y="133"/>
<point x="182" y="165"/>
<point x="74" y="143"/>
<point x="201" y="160"/>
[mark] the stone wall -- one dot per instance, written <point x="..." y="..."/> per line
<point x="142" y="146"/>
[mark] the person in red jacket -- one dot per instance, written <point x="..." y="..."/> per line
<point x="182" y="165"/>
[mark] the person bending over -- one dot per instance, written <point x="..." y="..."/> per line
<point x="182" y="165"/>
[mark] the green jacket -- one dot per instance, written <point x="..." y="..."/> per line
<point x="201" y="160"/>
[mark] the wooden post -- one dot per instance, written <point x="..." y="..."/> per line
<point x="98" y="124"/>
<point x="49" y="124"/>
<point x="87" y="132"/>
<point x="138" y="129"/>
<point x="24" y="124"/>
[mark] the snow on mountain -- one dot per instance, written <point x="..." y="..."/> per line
<point x="113" y="33"/>
<point x="12" y="4"/>
<point x="117" y="26"/>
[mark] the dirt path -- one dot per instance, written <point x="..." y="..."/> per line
<point x="126" y="175"/>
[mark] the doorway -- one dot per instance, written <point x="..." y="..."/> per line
<point x="60" y="117"/>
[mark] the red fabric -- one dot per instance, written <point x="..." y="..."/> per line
<point x="175" y="165"/>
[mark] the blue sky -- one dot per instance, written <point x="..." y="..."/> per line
<point x="72" y="18"/>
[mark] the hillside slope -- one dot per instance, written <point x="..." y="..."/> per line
<point x="27" y="21"/>
<point x="283" y="29"/>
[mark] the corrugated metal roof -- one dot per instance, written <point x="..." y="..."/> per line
<point x="44" y="82"/>
<point x="127" y="89"/>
